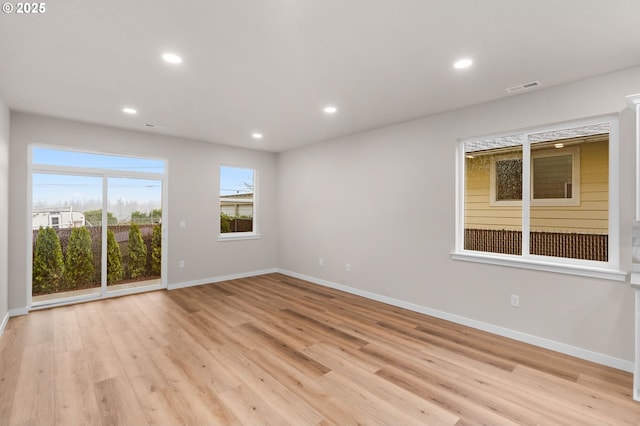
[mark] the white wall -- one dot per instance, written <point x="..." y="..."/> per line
<point x="4" y="213"/>
<point x="339" y="200"/>
<point x="193" y="197"/>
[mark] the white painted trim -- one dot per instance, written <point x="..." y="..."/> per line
<point x="221" y="278"/>
<point x="491" y="328"/>
<point x="64" y="301"/>
<point x="239" y="236"/>
<point x="633" y="101"/>
<point x="516" y="261"/>
<point x="255" y="234"/>
<point x="105" y="175"/>
<point x="5" y="320"/>
<point x="636" y="370"/>
<point x="606" y="270"/>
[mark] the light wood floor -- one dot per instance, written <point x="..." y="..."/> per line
<point x="276" y="350"/>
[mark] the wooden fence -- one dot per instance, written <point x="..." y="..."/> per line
<point x="556" y="244"/>
<point x="241" y="225"/>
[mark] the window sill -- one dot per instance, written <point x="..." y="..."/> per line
<point x="515" y="262"/>
<point x="238" y="236"/>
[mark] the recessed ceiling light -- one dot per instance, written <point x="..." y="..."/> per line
<point x="128" y="110"/>
<point x="558" y="145"/>
<point x="172" y="58"/>
<point x="330" y="109"/>
<point x="257" y="135"/>
<point x="462" y="63"/>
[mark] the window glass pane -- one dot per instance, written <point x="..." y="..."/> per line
<point x="493" y="194"/>
<point x="66" y="245"/>
<point x="236" y="199"/>
<point x="552" y="177"/>
<point x="134" y="216"/>
<point x="57" y="157"/>
<point x="570" y="188"/>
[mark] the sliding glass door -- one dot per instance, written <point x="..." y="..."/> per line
<point x="96" y="226"/>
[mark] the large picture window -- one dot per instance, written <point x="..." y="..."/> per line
<point x="541" y="196"/>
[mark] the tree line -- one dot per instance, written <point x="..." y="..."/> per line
<point x="53" y="271"/>
<point x="94" y="217"/>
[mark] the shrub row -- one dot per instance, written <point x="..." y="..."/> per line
<point x="54" y="272"/>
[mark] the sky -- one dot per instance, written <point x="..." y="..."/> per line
<point x="85" y="192"/>
<point x="57" y="157"/>
<point x="235" y="180"/>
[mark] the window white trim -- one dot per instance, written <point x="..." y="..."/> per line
<point x="540" y="265"/>
<point x="606" y="270"/>
<point x="104" y="174"/>
<point x="233" y="236"/>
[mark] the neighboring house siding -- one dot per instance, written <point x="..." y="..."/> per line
<point x="57" y="219"/>
<point x="590" y="217"/>
<point x="479" y="213"/>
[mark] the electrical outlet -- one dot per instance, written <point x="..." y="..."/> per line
<point x="515" y="300"/>
<point x="348" y="267"/>
<point x="181" y="264"/>
<point x="321" y="262"/>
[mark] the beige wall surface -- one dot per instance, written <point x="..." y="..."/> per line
<point x="338" y="201"/>
<point x="193" y="197"/>
<point x="4" y="209"/>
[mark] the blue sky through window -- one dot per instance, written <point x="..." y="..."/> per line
<point x="56" y="157"/>
<point x="84" y="193"/>
<point x="235" y="180"/>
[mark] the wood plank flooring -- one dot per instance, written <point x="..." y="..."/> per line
<point x="281" y="351"/>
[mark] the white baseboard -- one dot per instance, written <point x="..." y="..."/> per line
<point x="9" y="314"/>
<point x="574" y="351"/>
<point x="220" y="278"/>
<point x="18" y="312"/>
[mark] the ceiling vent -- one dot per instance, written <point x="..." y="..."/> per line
<point x="522" y="87"/>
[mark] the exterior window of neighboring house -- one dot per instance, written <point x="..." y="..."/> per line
<point x="564" y="176"/>
<point x="237" y="202"/>
<point x="508" y="180"/>
<point x="555" y="176"/>
<point x="55" y="222"/>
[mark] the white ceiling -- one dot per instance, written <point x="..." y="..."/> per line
<point x="272" y="65"/>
